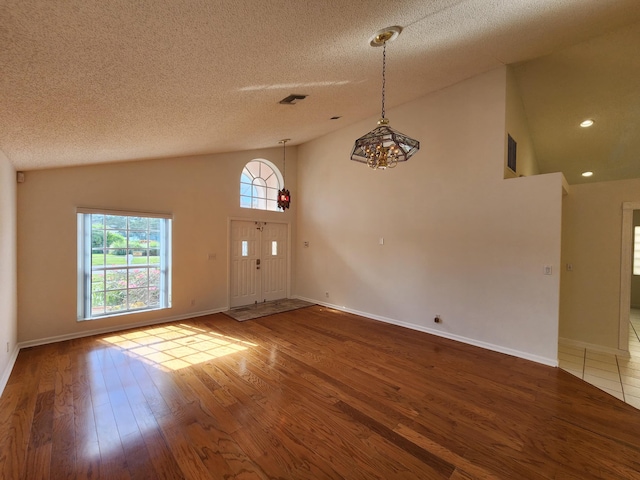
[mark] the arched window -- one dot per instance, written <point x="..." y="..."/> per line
<point x="259" y="185"/>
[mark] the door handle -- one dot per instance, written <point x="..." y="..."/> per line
<point x="258" y="264"/>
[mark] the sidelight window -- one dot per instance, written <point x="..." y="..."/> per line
<point x="636" y="250"/>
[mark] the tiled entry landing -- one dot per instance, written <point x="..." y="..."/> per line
<point x="617" y="375"/>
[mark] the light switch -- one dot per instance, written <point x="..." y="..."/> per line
<point x="547" y="270"/>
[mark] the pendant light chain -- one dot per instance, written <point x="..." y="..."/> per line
<point x="284" y="159"/>
<point x="383" y="147"/>
<point x="384" y="65"/>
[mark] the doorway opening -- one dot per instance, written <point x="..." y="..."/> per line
<point x="629" y="280"/>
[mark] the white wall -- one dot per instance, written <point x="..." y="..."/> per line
<point x="591" y="243"/>
<point x="459" y="240"/>
<point x="201" y="192"/>
<point x="8" y="283"/>
<point x="518" y="128"/>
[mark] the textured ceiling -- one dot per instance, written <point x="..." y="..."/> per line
<point x="84" y="81"/>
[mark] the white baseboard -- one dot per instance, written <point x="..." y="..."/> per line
<point x="593" y="347"/>
<point x="552" y="362"/>
<point x="470" y="341"/>
<point x="8" y="369"/>
<point x="100" y="331"/>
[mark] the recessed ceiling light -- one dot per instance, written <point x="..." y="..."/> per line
<point x="587" y="123"/>
<point x="587" y="174"/>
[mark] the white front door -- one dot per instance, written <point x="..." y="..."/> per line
<point x="259" y="252"/>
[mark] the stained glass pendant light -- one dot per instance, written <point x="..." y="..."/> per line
<point x="284" y="197"/>
<point x="384" y="147"/>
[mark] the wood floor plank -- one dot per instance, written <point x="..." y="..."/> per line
<point x="307" y="394"/>
<point x="162" y="461"/>
<point x="112" y="457"/>
<point x="14" y="443"/>
<point x="86" y="435"/>
<point x="63" y="447"/>
<point x="38" y="463"/>
<point x="188" y="460"/>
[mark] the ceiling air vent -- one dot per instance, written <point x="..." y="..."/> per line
<point x="291" y="99"/>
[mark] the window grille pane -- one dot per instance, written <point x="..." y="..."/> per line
<point x="272" y="205"/>
<point x="154" y="277"/>
<point x="138" y="298"/>
<point x="97" y="281"/>
<point x="272" y="182"/>
<point x="97" y="303"/>
<point x="97" y="220"/>
<point x="259" y="192"/>
<point x="116" y="222"/>
<point x="154" y="297"/>
<point x="245" y="248"/>
<point x="253" y="168"/>
<point x="138" y="277"/>
<point x="116" y="301"/>
<point x="116" y="279"/>
<point x="138" y="223"/>
<point x="274" y="248"/>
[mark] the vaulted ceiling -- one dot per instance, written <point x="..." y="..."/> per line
<point x="86" y="81"/>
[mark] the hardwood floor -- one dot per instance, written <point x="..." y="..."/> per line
<point x="307" y="394"/>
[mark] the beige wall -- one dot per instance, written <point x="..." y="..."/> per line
<point x="459" y="240"/>
<point x="8" y="283"/>
<point x="591" y="243"/>
<point x="201" y="192"/>
<point x="518" y="127"/>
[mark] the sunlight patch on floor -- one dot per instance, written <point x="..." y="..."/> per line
<point x="174" y="347"/>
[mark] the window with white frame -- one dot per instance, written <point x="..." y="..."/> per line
<point x="636" y="250"/>
<point x="124" y="262"/>
<point x="259" y="185"/>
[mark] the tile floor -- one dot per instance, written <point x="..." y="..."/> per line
<point x="615" y="374"/>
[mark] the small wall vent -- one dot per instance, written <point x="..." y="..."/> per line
<point x="291" y="99"/>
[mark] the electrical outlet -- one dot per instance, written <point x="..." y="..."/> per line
<point x="326" y="294"/>
<point x="193" y="302"/>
